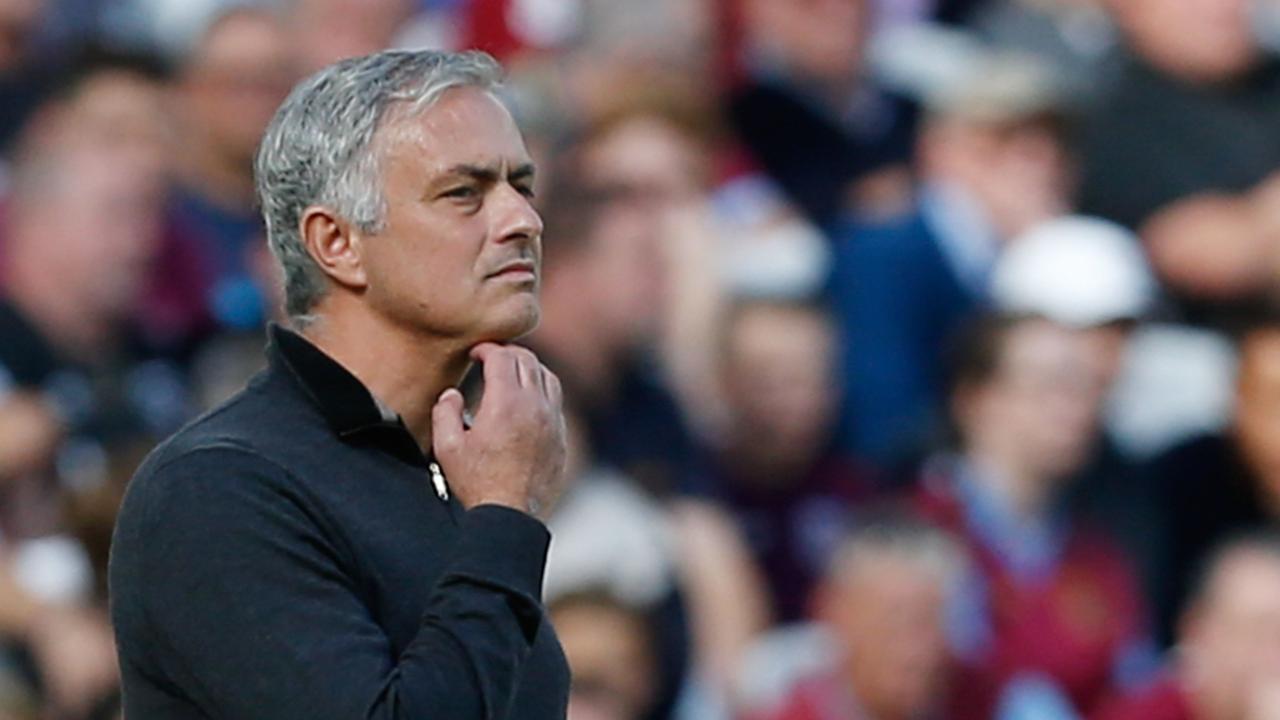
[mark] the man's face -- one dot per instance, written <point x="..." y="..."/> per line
<point x="239" y="75"/>
<point x="1020" y="173"/>
<point x="323" y="32"/>
<point x="105" y="264"/>
<point x="128" y="113"/>
<point x="648" y="162"/>
<point x="822" y="39"/>
<point x="1202" y="40"/>
<point x="460" y="251"/>
<point x="611" y="662"/>
<point x="1042" y="405"/>
<point x="1233" y="641"/>
<point x="780" y="375"/>
<point x="888" y="617"/>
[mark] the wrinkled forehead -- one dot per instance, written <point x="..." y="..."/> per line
<point x="465" y="125"/>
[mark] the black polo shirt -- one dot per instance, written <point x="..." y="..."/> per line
<point x="288" y="556"/>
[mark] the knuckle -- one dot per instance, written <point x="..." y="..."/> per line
<point x="448" y="442"/>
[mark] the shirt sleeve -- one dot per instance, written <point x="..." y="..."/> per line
<point x="224" y="582"/>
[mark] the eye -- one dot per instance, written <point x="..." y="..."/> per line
<point x="462" y="192"/>
<point x="525" y="190"/>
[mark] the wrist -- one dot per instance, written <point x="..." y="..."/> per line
<point x="511" y="502"/>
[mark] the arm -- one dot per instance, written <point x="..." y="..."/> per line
<point x="224" y="581"/>
<point x="250" y="610"/>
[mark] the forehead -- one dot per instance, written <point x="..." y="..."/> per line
<point x="1039" y="344"/>
<point x="465" y="126"/>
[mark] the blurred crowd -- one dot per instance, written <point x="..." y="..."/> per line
<point x="922" y="357"/>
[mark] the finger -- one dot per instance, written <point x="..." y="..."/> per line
<point x="446" y="423"/>
<point x="481" y="352"/>
<point x="523" y="378"/>
<point x="555" y="393"/>
<point x="530" y="368"/>
<point x="499" y="371"/>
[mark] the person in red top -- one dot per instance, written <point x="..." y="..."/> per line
<point x="1228" y="661"/>
<point x="882" y="604"/>
<point x="1051" y="614"/>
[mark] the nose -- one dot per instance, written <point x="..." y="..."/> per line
<point x="517" y="219"/>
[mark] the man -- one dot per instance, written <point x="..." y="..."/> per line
<point x="810" y="113"/>
<point x="1051" y="603"/>
<point x="228" y="85"/>
<point x="68" y="329"/>
<point x="1201" y="199"/>
<point x="604" y="297"/>
<point x="993" y="161"/>
<point x="337" y="541"/>
<point x="883" y="602"/>
<point x="790" y="491"/>
<point x="609" y="646"/>
<point x="1228" y="661"/>
<point x="118" y="100"/>
<point x="77" y="387"/>
<point x="1213" y="486"/>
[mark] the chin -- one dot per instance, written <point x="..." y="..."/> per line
<point x="516" y="324"/>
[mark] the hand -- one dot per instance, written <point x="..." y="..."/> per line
<point x="514" y="452"/>
<point x="76" y="656"/>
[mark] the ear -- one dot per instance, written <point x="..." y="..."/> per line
<point x="335" y="245"/>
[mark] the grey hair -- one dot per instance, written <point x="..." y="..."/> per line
<point x="902" y="537"/>
<point x="319" y="148"/>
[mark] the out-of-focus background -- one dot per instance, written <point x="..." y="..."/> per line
<point x="922" y="356"/>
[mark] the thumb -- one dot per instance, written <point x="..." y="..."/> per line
<point x="446" y="423"/>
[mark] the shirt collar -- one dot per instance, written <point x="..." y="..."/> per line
<point x="1029" y="549"/>
<point x="344" y="401"/>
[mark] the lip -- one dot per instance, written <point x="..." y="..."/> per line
<point x="522" y="270"/>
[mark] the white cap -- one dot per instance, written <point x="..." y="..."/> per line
<point x="1076" y="270"/>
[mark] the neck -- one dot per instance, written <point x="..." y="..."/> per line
<point x="1027" y="492"/>
<point x="403" y="368"/>
<point x="67" y="323"/>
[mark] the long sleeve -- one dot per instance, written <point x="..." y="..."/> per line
<point x="226" y="584"/>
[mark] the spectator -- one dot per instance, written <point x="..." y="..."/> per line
<point x="807" y="111"/>
<point x="679" y="562"/>
<point x="67" y="327"/>
<point x="1228" y="662"/>
<point x="323" y="32"/>
<point x="1090" y="274"/>
<point x="230" y="84"/>
<point x="603" y="299"/>
<point x="1052" y="604"/>
<point x="119" y="100"/>
<point x="76" y="387"/>
<point x="652" y="151"/>
<point x="608" y="647"/>
<point x="1213" y="486"/>
<point x="993" y="162"/>
<point x="1181" y="148"/>
<point x="790" y="490"/>
<point x="882" y="601"/>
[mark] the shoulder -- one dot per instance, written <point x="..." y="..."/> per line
<point x="227" y="455"/>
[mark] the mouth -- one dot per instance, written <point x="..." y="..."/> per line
<point x="518" y="271"/>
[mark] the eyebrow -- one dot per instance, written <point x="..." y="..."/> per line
<point x="491" y="173"/>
